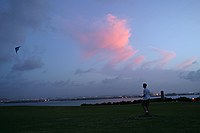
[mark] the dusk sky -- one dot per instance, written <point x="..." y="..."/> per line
<point x="72" y="48"/>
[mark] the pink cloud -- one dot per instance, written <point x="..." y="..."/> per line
<point x="187" y="63"/>
<point x="166" y="56"/>
<point x="135" y="62"/>
<point x="138" y="60"/>
<point x="107" y="38"/>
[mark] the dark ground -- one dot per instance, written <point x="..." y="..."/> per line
<point x="170" y="117"/>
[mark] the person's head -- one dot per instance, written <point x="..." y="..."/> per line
<point x="144" y="85"/>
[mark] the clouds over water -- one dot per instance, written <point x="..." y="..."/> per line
<point x="193" y="76"/>
<point x="71" y="48"/>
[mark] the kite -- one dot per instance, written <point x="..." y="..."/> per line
<point x="17" y="48"/>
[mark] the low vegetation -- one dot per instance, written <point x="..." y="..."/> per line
<point x="165" y="117"/>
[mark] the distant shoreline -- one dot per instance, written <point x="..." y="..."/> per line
<point x="90" y="101"/>
<point x="4" y="100"/>
<point x="180" y="99"/>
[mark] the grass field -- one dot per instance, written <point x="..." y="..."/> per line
<point x="174" y="117"/>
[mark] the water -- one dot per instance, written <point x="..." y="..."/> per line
<point x="70" y="102"/>
<point x="188" y="96"/>
<point x="79" y="102"/>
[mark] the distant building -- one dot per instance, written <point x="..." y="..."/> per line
<point x="162" y="95"/>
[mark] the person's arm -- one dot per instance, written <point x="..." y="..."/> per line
<point x="144" y="93"/>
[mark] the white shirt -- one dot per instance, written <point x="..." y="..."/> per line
<point x="146" y="94"/>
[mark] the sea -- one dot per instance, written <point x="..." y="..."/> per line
<point x="79" y="102"/>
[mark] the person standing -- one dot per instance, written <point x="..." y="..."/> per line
<point x="146" y="98"/>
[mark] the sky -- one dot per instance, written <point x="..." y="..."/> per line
<point x="74" y="48"/>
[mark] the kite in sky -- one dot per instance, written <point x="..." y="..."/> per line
<point x="17" y="48"/>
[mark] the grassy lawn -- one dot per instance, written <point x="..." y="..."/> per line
<point x="173" y="117"/>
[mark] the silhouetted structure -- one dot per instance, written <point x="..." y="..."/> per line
<point x="162" y="95"/>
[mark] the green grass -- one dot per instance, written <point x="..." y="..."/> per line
<point x="166" y="118"/>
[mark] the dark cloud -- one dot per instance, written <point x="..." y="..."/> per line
<point x="24" y="88"/>
<point x="111" y="80"/>
<point x="129" y="84"/>
<point x="192" y="75"/>
<point x="65" y="84"/>
<point x="28" y="64"/>
<point x="19" y="17"/>
<point x="79" y="71"/>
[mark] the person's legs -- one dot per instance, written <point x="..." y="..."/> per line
<point x="144" y="105"/>
<point x="147" y="106"/>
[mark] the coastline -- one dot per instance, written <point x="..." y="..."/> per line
<point x="92" y="101"/>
